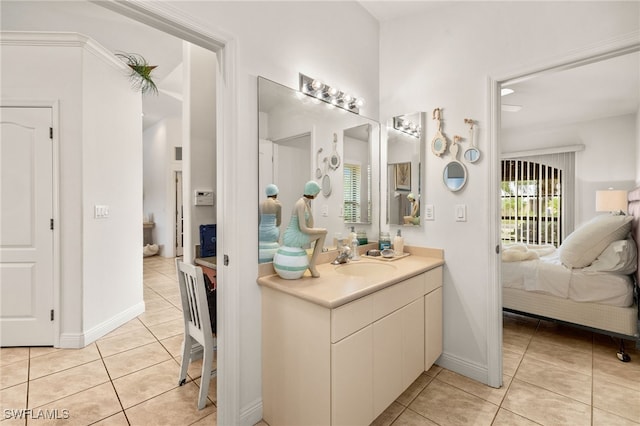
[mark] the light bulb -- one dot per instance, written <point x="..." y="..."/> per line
<point x="332" y="91"/>
<point x="316" y="84"/>
<point x="360" y="102"/>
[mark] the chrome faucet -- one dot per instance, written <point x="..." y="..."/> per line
<point x="343" y="255"/>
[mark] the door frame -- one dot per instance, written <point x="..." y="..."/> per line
<point x="617" y="46"/>
<point x="172" y="21"/>
<point x="55" y="188"/>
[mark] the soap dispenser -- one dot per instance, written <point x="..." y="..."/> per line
<point x="354" y="245"/>
<point x="398" y="244"/>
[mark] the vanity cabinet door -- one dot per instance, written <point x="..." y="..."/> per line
<point x="432" y="327"/>
<point x="398" y="353"/>
<point x="387" y="361"/>
<point x="413" y="336"/>
<point x="351" y="379"/>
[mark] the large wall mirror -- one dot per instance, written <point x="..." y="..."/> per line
<point x="405" y="159"/>
<point x="302" y="139"/>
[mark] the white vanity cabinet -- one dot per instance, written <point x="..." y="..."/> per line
<point x="345" y="365"/>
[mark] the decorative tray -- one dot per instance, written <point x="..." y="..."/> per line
<point x="386" y="259"/>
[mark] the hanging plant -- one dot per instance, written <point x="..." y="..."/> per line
<point x="140" y="75"/>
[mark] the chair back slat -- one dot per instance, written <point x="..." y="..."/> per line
<point x="194" y="301"/>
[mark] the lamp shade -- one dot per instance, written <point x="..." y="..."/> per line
<point x="611" y="201"/>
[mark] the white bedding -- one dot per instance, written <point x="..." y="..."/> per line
<point x="547" y="275"/>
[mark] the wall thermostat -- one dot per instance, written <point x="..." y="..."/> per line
<point x="203" y="197"/>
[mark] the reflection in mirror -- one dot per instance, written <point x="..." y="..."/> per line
<point x="357" y="174"/>
<point x="405" y="157"/>
<point x="455" y="176"/>
<point x="302" y="139"/>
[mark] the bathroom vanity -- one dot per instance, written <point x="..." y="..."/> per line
<point x="339" y="349"/>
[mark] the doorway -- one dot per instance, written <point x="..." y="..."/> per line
<point x="602" y="52"/>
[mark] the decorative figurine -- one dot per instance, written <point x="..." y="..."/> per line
<point x="299" y="234"/>
<point x="414" y="216"/>
<point x="268" y="230"/>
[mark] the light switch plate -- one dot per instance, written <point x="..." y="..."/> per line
<point x="324" y="210"/>
<point x="100" y="211"/>
<point x="461" y="213"/>
<point x="429" y="212"/>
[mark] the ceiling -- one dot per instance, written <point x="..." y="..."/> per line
<point x="94" y="21"/>
<point x="602" y="89"/>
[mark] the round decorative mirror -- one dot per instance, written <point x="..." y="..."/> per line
<point x="334" y="158"/>
<point x="334" y="161"/>
<point x="326" y="186"/>
<point x="439" y="145"/>
<point x="472" y="154"/>
<point x="455" y="176"/>
<point x="439" y="141"/>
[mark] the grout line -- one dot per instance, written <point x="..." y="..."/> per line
<point x="114" y="389"/>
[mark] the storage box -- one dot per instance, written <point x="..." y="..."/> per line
<point x="208" y="240"/>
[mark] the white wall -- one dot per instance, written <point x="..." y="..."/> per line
<point x="277" y="40"/>
<point x="460" y="46"/>
<point x="100" y="153"/>
<point x="111" y="162"/>
<point x="199" y="112"/>
<point x="638" y="147"/>
<point x="613" y="138"/>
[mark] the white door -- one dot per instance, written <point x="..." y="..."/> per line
<point x="26" y="221"/>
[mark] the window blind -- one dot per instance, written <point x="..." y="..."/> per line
<point x="351" y="187"/>
<point x="537" y="195"/>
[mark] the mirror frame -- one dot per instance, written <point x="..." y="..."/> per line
<point x="445" y="177"/>
<point x="417" y="186"/>
<point x="294" y="113"/>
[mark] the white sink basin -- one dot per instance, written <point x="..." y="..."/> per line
<point x="365" y="269"/>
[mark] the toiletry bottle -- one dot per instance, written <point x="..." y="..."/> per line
<point x="354" y="247"/>
<point x="362" y="238"/>
<point x="352" y="234"/>
<point x="385" y="241"/>
<point x="398" y="244"/>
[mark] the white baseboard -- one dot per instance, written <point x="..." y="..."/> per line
<point x="80" y="340"/>
<point x="464" y="367"/>
<point x="71" y="341"/>
<point x="251" y="413"/>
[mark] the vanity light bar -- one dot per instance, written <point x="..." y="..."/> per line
<point x="329" y="94"/>
<point x="403" y="125"/>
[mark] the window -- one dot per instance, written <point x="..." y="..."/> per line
<point x="351" y="190"/>
<point x="532" y="202"/>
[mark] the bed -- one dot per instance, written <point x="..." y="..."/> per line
<point x="590" y="281"/>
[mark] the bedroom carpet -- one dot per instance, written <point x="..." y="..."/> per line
<point x="553" y="375"/>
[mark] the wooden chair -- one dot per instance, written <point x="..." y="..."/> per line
<point x="197" y="326"/>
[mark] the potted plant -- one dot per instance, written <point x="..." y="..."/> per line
<point x="140" y="75"/>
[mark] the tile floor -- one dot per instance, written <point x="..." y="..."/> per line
<point x="553" y="375"/>
<point x="130" y="376"/>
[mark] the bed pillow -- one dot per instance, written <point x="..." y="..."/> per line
<point x="586" y="243"/>
<point x="620" y="257"/>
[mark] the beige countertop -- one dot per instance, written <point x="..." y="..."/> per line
<point x="333" y="289"/>
<point x="209" y="262"/>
